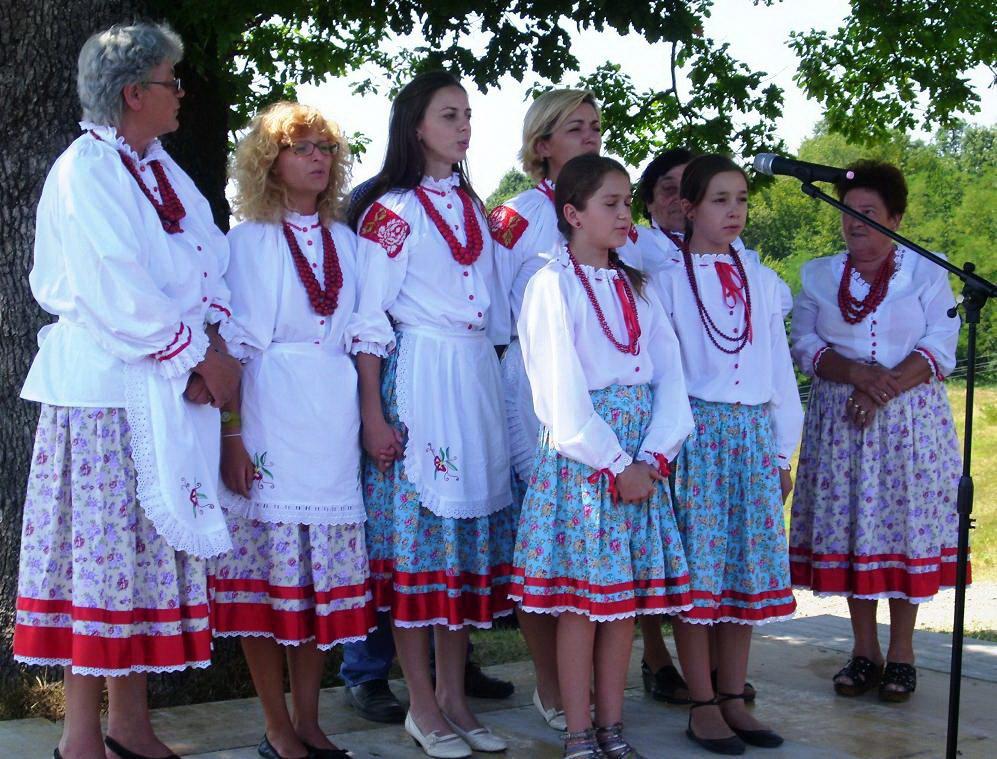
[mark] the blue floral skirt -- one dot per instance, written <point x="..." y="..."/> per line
<point x="577" y="551"/>
<point x="426" y="569"/>
<point x="874" y="510"/>
<point x="729" y="513"/>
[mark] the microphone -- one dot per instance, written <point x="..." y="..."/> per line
<point x="773" y="165"/>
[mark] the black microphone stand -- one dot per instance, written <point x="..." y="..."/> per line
<point x="975" y="293"/>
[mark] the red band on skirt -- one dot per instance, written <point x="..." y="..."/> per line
<point x="61" y="644"/>
<point x="861" y="580"/>
<point x="453" y="604"/>
<point x="584" y="596"/>
<point x="290" y="625"/>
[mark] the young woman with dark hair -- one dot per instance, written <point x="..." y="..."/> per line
<point x="436" y="482"/>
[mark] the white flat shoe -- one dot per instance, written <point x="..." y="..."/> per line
<point x="438" y="746"/>
<point x="553" y="717"/>
<point x="480" y="739"/>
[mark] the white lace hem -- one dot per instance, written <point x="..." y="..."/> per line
<point x="149" y="489"/>
<point x="292" y="513"/>
<point x="367" y="346"/>
<point x="443" y="622"/>
<point x="295" y="642"/>
<point x="737" y="620"/>
<point x="522" y="446"/>
<point x="106" y="672"/>
<point x="556" y="611"/>
<point x="873" y="596"/>
<point x="188" y="358"/>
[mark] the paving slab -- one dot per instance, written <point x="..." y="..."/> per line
<point x="791" y="666"/>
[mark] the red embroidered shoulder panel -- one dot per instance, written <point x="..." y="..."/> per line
<point x="506" y="226"/>
<point x="386" y="228"/>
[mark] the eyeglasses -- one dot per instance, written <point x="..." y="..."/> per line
<point x="304" y="148"/>
<point x="173" y="84"/>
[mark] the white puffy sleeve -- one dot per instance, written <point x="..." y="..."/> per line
<point x="671" y="416"/>
<point x="253" y="280"/>
<point x="942" y="331"/>
<point x="807" y="344"/>
<point x="382" y="262"/>
<point x="560" y="390"/>
<point x="105" y="259"/>
<point x="785" y="406"/>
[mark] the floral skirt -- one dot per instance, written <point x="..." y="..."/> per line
<point x="729" y="513"/>
<point x="99" y="590"/>
<point x="874" y="510"/>
<point x="427" y="569"/>
<point x="293" y="583"/>
<point x="577" y="551"/>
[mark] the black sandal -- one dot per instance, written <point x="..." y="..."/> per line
<point x="763" y="738"/>
<point x="729" y="746"/>
<point x="899" y="674"/>
<point x="864" y="674"/>
<point x="749" y="691"/>
<point x="663" y="684"/>
<point x="124" y="753"/>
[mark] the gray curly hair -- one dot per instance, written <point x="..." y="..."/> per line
<point x="114" y="58"/>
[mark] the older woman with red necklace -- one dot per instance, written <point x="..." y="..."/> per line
<point x="122" y="506"/>
<point x="874" y="510"/>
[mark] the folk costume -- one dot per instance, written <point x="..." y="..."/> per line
<point x="525" y="232"/>
<point x="607" y="383"/>
<point x="122" y="503"/>
<point x="439" y="526"/>
<point x="298" y="569"/>
<point x="874" y="510"/>
<point x="726" y="311"/>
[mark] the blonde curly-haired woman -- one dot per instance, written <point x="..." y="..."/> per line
<point x="296" y="581"/>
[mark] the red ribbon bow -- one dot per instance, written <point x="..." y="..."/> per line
<point x="733" y="288"/>
<point x="664" y="468"/>
<point x="594" y="480"/>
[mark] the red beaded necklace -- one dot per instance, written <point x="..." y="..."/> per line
<point x="712" y="330"/>
<point x="467" y="254"/>
<point x="626" y="296"/>
<point x="854" y="310"/>
<point x="324" y="302"/>
<point x="170" y="210"/>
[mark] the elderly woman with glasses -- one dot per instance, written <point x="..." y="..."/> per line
<point x="121" y="507"/>
<point x="296" y="582"/>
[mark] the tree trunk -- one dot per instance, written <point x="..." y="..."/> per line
<point x="40" y="41"/>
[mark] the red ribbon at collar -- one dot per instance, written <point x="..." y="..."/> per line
<point x="733" y="288"/>
<point x="629" y="315"/>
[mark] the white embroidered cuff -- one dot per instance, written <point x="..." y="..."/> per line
<point x="184" y="354"/>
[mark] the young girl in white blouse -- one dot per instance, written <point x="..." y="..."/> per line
<point x="296" y="582"/>
<point x="733" y="472"/>
<point x="559" y="125"/>
<point x="597" y="542"/>
<point x="436" y="482"/>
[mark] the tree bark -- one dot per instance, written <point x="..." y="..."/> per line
<point x="40" y="41"/>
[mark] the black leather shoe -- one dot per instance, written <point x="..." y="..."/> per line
<point x="480" y="685"/>
<point x="267" y="751"/>
<point x="326" y="753"/>
<point x="374" y="700"/>
<point x="732" y="745"/>
<point x="764" y="738"/>
<point x="665" y="685"/>
<point x="124" y="753"/>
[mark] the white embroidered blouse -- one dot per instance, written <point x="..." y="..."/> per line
<point x="525" y="232"/>
<point x="567" y="356"/>
<point x="913" y="315"/>
<point x="300" y="409"/>
<point x="763" y="370"/>
<point x="411" y="279"/>
<point x="122" y="287"/>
